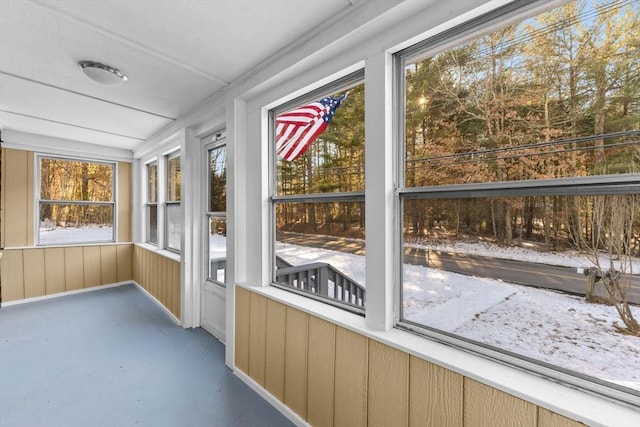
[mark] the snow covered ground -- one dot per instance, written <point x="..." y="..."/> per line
<point x="548" y="326"/>
<point x="61" y="236"/>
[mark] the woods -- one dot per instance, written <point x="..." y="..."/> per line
<point x="555" y="96"/>
<point x="67" y="190"/>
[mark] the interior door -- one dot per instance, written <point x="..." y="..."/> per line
<point x="213" y="310"/>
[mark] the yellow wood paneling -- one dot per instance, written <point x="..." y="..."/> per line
<point x="34" y="280"/>
<point x="257" y="337"/>
<point x="92" y="269"/>
<point x="435" y="395"/>
<point x="54" y="270"/>
<point x="177" y="288"/>
<point x="124" y="259"/>
<point x="274" y="363"/>
<point x="146" y="268"/>
<point x="12" y="275"/>
<point x="351" y="379"/>
<point x="388" y="397"/>
<point x="158" y="275"/>
<point x="16" y="197"/>
<point x="486" y="406"/>
<point x="321" y="361"/>
<point x="108" y="264"/>
<point x="124" y="202"/>
<point x="243" y="307"/>
<point x="154" y="285"/>
<point x="73" y="268"/>
<point x="295" y="361"/>
<point x="135" y="263"/>
<point x="547" y="418"/>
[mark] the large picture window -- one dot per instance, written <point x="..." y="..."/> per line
<point x="519" y="195"/>
<point x="318" y="194"/>
<point x="75" y="201"/>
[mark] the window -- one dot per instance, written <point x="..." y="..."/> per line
<point x="318" y="197"/>
<point x="519" y="198"/>
<point x="152" y="203"/>
<point x="173" y="209"/>
<point x="75" y="201"/>
<point x="217" y="212"/>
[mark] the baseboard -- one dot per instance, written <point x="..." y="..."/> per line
<point x="274" y="401"/>
<point x="64" y="294"/>
<point x="154" y="299"/>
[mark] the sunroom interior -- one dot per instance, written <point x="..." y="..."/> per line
<point x="223" y="158"/>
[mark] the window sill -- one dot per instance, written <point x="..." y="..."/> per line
<point x="564" y="400"/>
<point x="165" y="253"/>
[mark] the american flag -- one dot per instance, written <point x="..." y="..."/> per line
<point x="297" y="129"/>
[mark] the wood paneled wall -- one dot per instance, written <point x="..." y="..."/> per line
<point x="331" y="376"/>
<point x="30" y="271"/>
<point x="160" y="276"/>
<point x="35" y="272"/>
<point x="17" y="198"/>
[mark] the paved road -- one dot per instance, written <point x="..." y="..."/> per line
<point x="565" y="279"/>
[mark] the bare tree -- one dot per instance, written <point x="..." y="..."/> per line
<point x="615" y="217"/>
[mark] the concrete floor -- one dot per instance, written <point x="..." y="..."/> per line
<point x="112" y="357"/>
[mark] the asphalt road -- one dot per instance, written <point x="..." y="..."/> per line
<point x="564" y="279"/>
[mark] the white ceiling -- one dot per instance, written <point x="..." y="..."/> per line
<point x="175" y="53"/>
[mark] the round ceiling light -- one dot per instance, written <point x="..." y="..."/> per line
<point x="103" y="74"/>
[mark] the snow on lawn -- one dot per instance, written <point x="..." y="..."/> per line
<point x="567" y="258"/>
<point x="75" y="235"/>
<point x="548" y="326"/>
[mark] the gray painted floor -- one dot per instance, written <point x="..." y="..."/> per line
<point x="113" y="358"/>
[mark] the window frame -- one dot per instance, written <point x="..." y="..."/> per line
<point x="344" y="83"/>
<point x="39" y="200"/>
<point x="218" y="140"/>
<point x="149" y="204"/>
<point x="589" y="185"/>
<point x="167" y="203"/>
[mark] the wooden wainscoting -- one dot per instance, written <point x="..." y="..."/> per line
<point x="158" y="275"/>
<point x="35" y="272"/>
<point x="331" y="376"/>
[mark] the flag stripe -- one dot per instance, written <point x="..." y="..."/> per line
<point x="297" y="129"/>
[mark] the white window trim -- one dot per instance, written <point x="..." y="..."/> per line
<point x="36" y="199"/>
<point x="456" y="36"/>
<point x="213" y="141"/>
<point x="165" y="224"/>
<point x="145" y="199"/>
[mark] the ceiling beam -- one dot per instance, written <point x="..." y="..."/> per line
<point x="95" y="98"/>
<point x="71" y="125"/>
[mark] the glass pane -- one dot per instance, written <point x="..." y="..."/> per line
<point x="218" y="179"/>
<point x="553" y="96"/>
<point x="334" y="162"/>
<point x="174" y="226"/>
<point x="320" y="249"/>
<point x="69" y="223"/>
<point x="542" y="277"/>
<point x="217" y="248"/>
<point x="152" y="224"/>
<point x="174" y="179"/>
<point x="75" y="180"/>
<point x="152" y="183"/>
